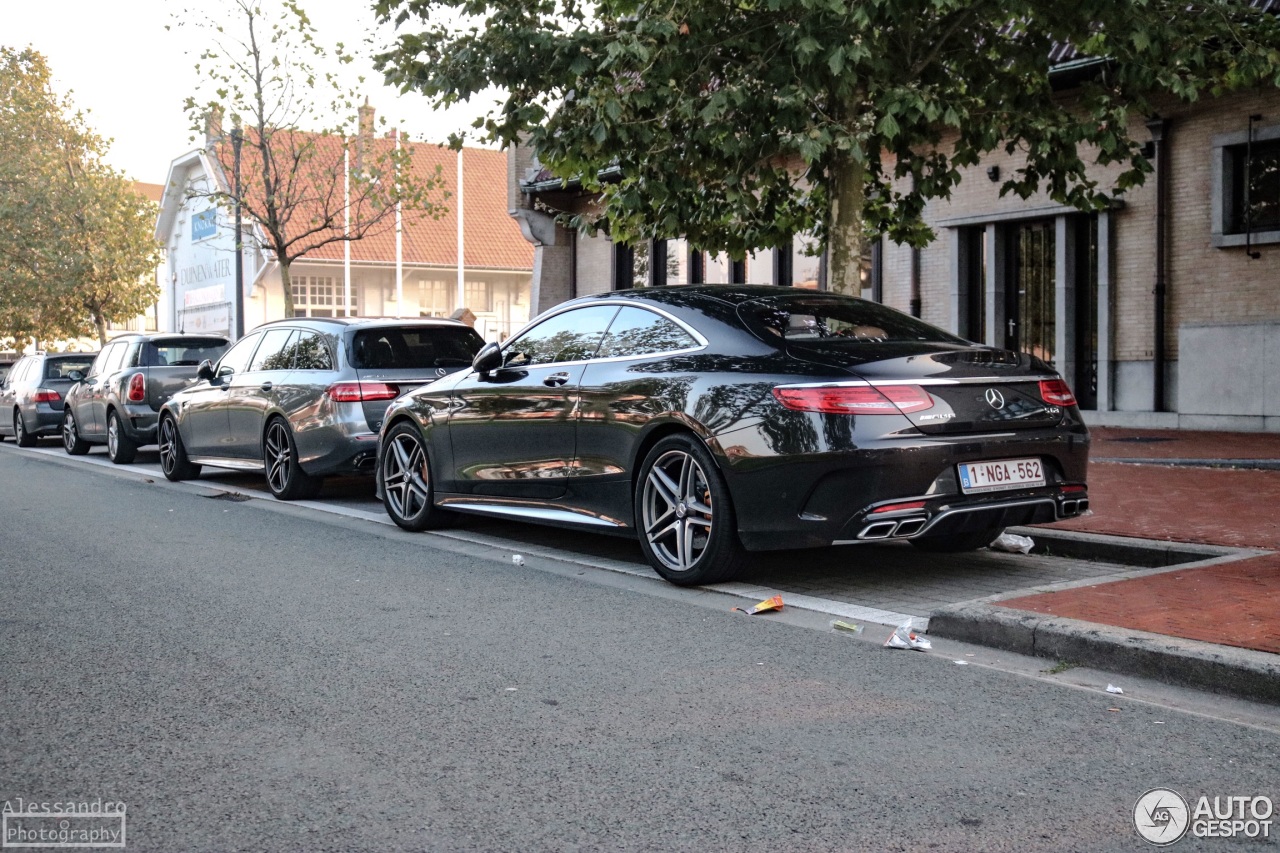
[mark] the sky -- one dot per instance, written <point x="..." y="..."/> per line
<point x="131" y="75"/>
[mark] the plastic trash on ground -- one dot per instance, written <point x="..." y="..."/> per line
<point x="846" y="627"/>
<point x="1013" y="543"/>
<point x="1111" y="688"/>
<point x="517" y="559"/>
<point x="905" y="638"/>
<point x="774" y="603"/>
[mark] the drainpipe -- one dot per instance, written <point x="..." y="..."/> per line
<point x="1159" y="129"/>
<point x="916" y="302"/>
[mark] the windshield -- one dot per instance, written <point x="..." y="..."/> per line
<point x="821" y="320"/>
<point x="415" y="347"/>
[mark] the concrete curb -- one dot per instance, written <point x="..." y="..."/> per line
<point x="1220" y="669"/>
<point x="1124" y="550"/>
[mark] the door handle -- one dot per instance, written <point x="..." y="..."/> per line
<point x="555" y="380"/>
<point x="266" y="386"/>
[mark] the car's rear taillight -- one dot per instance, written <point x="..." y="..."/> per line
<point x="45" y="395"/>
<point x="137" y="388"/>
<point x="361" y="392"/>
<point x="1056" y="392"/>
<point x="856" y="399"/>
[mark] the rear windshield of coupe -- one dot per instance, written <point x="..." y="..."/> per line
<point x="186" y="352"/>
<point x="415" y="348"/>
<point x="826" y="320"/>
<point x="60" y="368"/>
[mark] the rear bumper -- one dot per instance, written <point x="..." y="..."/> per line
<point x="48" y="420"/>
<point x="141" y="424"/>
<point x="832" y="496"/>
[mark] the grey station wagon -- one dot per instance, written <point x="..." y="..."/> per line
<point x="304" y="398"/>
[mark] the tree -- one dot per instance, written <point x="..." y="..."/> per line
<point x="739" y="123"/>
<point x="267" y="69"/>
<point x="78" y="251"/>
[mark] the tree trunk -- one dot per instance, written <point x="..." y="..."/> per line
<point x="845" y="238"/>
<point x="286" y="286"/>
<point x="101" y="324"/>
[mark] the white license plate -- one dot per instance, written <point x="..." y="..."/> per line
<point x="1000" y="474"/>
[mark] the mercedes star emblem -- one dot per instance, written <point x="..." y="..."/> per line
<point x="995" y="399"/>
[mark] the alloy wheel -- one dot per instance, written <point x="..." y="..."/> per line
<point x="677" y="511"/>
<point x="279" y="456"/>
<point x="168" y="446"/>
<point x="113" y="437"/>
<point x="404" y="476"/>
<point x="69" y="438"/>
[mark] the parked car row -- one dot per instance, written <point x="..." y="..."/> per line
<point x="706" y="421"/>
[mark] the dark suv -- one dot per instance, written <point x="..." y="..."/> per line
<point x="31" y="394"/>
<point x="304" y="398"/>
<point x="118" y="400"/>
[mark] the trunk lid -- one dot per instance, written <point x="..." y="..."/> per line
<point x="974" y="390"/>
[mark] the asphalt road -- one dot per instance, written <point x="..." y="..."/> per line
<point x="257" y="676"/>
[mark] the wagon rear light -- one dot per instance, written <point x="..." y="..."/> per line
<point x="137" y="388"/>
<point x="362" y="392"/>
<point x="856" y="399"/>
<point x="45" y="395"/>
<point x="1056" y="392"/>
<point x="1073" y="488"/>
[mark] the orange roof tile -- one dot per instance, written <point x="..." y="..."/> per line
<point x="492" y="237"/>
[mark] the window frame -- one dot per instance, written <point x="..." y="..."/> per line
<point x="1227" y="150"/>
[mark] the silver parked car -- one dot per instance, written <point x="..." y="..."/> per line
<point x="117" y="401"/>
<point x="32" y="394"/>
<point x="304" y="398"/>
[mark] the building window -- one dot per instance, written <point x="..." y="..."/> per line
<point x="806" y="263"/>
<point x="1246" y="198"/>
<point x="479" y="297"/>
<point x="318" y="296"/>
<point x="435" y="297"/>
<point x="1255" y="188"/>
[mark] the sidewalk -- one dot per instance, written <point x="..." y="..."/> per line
<point x="1207" y="488"/>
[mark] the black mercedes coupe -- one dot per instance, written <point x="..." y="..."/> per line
<point x="709" y="421"/>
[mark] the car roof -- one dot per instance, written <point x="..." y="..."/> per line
<point x="365" y="322"/>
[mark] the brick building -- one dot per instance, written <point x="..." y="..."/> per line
<point x="1084" y="291"/>
<point x="493" y="280"/>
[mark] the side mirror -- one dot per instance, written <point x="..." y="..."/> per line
<point x="488" y="359"/>
<point x="205" y="370"/>
<point x="75" y="376"/>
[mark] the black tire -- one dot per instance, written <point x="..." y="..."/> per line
<point x="684" y="515"/>
<point x="173" y="455"/>
<point x="285" y="477"/>
<point x="120" y="447"/>
<point x="957" y="542"/>
<point x="71" y="440"/>
<point x="20" y="435"/>
<point x="408" y="494"/>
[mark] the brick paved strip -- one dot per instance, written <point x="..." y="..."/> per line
<point x="1233" y="604"/>
<point x="1210" y="506"/>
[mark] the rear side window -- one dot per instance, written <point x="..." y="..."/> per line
<point x="822" y="320"/>
<point x="636" y="331"/>
<point x="414" y="348"/>
<point x="58" y="368"/>
<point x="186" y="353"/>
<point x="310" y="352"/>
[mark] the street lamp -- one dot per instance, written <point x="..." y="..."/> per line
<point x="237" y="140"/>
